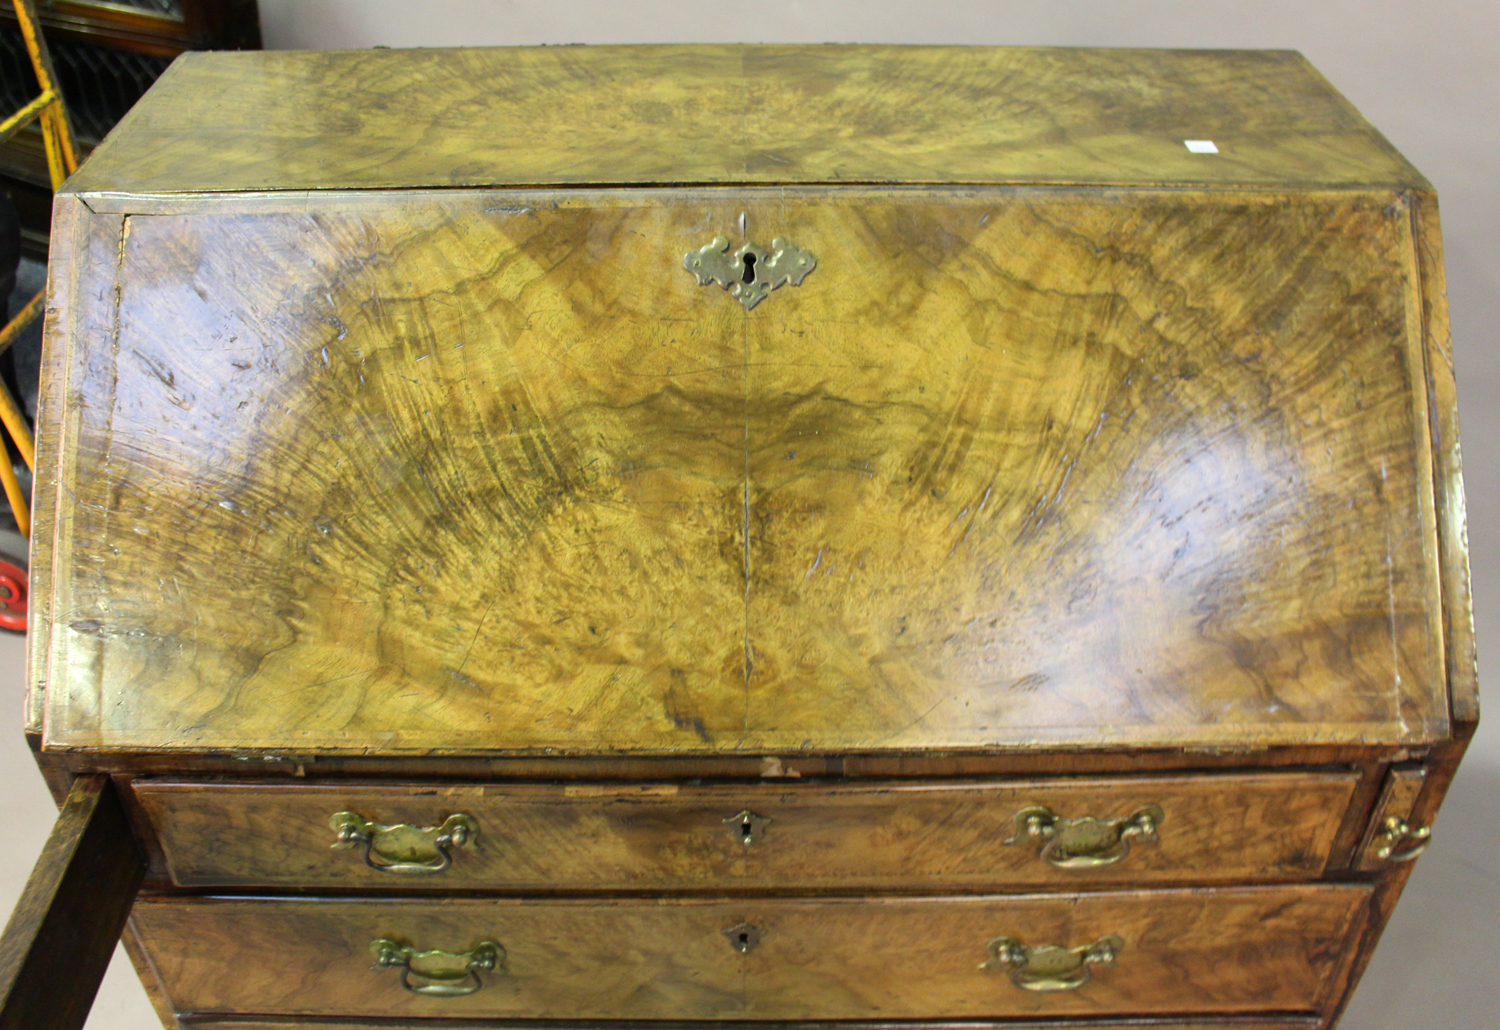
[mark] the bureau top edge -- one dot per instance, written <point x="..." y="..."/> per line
<point x="739" y="115"/>
<point x="131" y="202"/>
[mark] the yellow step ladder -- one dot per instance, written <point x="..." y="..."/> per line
<point x="62" y="161"/>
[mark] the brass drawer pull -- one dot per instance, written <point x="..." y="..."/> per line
<point x="405" y="849"/>
<point x="1086" y="842"/>
<point x="1396" y="831"/>
<point x="1051" y="968"/>
<point x="752" y="271"/>
<point x="442" y="974"/>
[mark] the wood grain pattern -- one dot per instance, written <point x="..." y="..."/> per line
<point x="75" y="239"/>
<point x="295" y="766"/>
<point x="1398" y="799"/>
<point x="474" y="477"/>
<point x="767" y="114"/>
<point x="1439" y="768"/>
<point x="503" y="510"/>
<point x="1240" y="950"/>
<point x="63" y="930"/>
<point x="384" y="435"/>
<point x="827" y="836"/>
<point x="1129" y="410"/>
<point x="1453" y="530"/>
<point x="140" y="960"/>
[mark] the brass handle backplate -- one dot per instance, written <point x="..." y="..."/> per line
<point x="1397" y="830"/>
<point x="752" y="271"/>
<point x="442" y="974"/>
<point x="1086" y="842"/>
<point x="404" y="849"/>
<point x="1051" y="968"/>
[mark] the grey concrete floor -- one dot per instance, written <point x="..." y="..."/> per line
<point x="26" y="814"/>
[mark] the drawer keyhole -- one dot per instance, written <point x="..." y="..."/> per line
<point x="743" y="937"/>
<point x="749" y="274"/>
<point x="747" y="827"/>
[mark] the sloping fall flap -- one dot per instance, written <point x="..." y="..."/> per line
<point x="475" y="471"/>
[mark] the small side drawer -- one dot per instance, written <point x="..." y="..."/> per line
<point x="1175" y="953"/>
<point x="978" y="836"/>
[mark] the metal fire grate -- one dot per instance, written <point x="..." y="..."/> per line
<point x="99" y="84"/>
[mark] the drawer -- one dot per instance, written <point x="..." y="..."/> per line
<point x="1223" y="828"/>
<point x="1175" y="952"/>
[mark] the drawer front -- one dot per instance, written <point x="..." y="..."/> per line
<point x="981" y="836"/>
<point x="1175" y="952"/>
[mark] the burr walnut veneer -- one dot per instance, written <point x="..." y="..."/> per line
<point x="773" y="535"/>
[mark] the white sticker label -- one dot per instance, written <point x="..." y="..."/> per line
<point x="1201" y="146"/>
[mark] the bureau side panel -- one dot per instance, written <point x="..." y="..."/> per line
<point x="79" y="316"/>
<point x="1453" y="530"/>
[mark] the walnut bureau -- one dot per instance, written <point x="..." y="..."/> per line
<point x="764" y="535"/>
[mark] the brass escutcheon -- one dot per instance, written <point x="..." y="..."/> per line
<point x="1396" y="831"/>
<point x="1085" y="842"/>
<point x="752" y="272"/>
<point x="442" y="974"/>
<point x="747" y="827"/>
<point x="743" y="937"/>
<point x="405" y="849"/>
<point x="1051" y="968"/>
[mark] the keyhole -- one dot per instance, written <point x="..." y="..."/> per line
<point x="747" y="827"/>
<point x="742" y="937"/>
<point x="749" y="274"/>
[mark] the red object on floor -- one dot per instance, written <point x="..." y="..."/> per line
<point x="13" y="594"/>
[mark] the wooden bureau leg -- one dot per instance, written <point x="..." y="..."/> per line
<point x="63" y="931"/>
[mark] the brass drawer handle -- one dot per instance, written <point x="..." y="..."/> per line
<point x="1086" y="842"/>
<point x="752" y="271"/>
<point x="1396" y="831"/>
<point x="404" y="849"/>
<point x="1051" y="968"/>
<point x="442" y="974"/>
